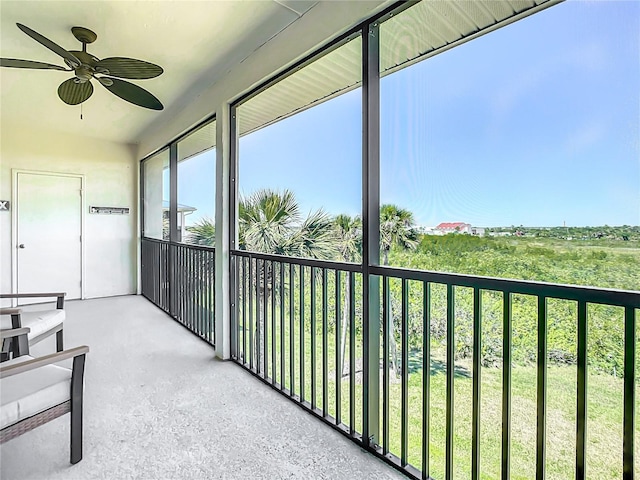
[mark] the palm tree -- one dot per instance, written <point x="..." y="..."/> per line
<point x="396" y="229"/>
<point x="269" y="221"/>
<point x="349" y="240"/>
<point x="202" y="233"/>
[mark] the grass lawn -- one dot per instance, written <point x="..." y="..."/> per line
<point x="604" y="427"/>
<point x="604" y="424"/>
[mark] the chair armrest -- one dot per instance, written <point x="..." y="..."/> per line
<point x="13" y="332"/>
<point x="42" y="361"/>
<point x="59" y="295"/>
<point x="10" y="311"/>
<point x="32" y="295"/>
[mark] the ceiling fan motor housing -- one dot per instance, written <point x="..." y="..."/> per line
<point x="87" y="69"/>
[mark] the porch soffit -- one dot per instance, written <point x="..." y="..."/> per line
<point x="191" y="40"/>
<point x="424" y="30"/>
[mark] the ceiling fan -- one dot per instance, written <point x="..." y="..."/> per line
<point x="86" y="66"/>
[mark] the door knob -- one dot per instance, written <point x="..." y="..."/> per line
<point x="21" y="245"/>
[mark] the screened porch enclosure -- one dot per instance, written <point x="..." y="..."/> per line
<point x="423" y="368"/>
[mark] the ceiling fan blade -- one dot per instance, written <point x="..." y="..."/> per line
<point x="54" y="47"/>
<point x="131" y="93"/>
<point x="128" y="68"/>
<point x="17" y="63"/>
<point x="73" y="93"/>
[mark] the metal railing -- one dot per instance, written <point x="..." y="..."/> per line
<point x="180" y="279"/>
<point x="282" y="310"/>
<point x="297" y="325"/>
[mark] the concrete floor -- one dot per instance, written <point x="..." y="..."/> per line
<point x="158" y="405"/>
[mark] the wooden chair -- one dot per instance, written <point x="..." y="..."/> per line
<point x="42" y="323"/>
<point x="34" y="391"/>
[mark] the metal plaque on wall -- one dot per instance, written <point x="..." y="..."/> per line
<point x="110" y="210"/>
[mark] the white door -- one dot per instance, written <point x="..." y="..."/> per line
<point x="49" y="229"/>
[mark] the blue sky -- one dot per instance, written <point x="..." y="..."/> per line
<point x="535" y="124"/>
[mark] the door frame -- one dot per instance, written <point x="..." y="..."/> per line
<point x="14" y="224"/>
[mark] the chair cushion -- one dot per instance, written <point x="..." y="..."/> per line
<point x="26" y="394"/>
<point x="38" y="321"/>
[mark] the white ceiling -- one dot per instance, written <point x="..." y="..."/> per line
<point x="196" y="42"/>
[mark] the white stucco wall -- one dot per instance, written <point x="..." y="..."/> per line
<point x="111" y="179"/>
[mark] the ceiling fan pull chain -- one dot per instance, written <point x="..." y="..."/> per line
<point x="81" y="111"/>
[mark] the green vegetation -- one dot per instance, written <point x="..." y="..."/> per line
<point x="606" y="257"/>
<point x="604" y="401"/>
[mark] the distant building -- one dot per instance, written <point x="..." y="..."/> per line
<point x="183" y="211"/>
<point x="454" y="227"/>
<point x="458" y="227"/>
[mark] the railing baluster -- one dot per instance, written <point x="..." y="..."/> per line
<point x="187" y="316"/>
<point x="259" y="325"/>
<point x="506" y="385"/>
<point x="194" y="295"/>
<point x="273" y="322"/>
<point x="204" y="294"/>
<point x="265" y="323"/>
<point x="157" y="277"/>
<point x="292" y="345"/>
<point x="192" y="289"/>
<point x="251" y="289"/>
<point x="282" y="349"/>
<point x="352" y="353"/>
<point x="202" y="304"/>
<point x="235" y="261"/>
<point x="178" y="276"/>
<point x="187" y="284"/>
<point x="426" y="375"/>
<point x="404" y="329"/>
<point x="541" y="428"/>
<point x="313" y="339"/>
<point x="245" y="299"/>
<point x="385" y="365"/>
<point x="192" y="273"/>
<point x="629" y="392"/>
<point x="200" y="293"/>
<point x="338" y="351"/>
<point x="302" y="334"/>
<point x="325" y="344"/>
<point x="581" y="423"/>
<point x="451" y="350"/>
<point x="477" y="345"/>
<point x="212" y="285"/>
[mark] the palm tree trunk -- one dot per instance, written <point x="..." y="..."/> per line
<point x="259" y="342"/>
<point x="345" y="323"/>
<point x="263" y="292"/>
<point x="393" y="346"/>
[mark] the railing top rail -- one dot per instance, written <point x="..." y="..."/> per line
<point x="622" y="298"/>
<point x="194" y="247"/>
<point x="310" y="262"/>
<point x="179" y="244"/>
<point x="154" y="240"/>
